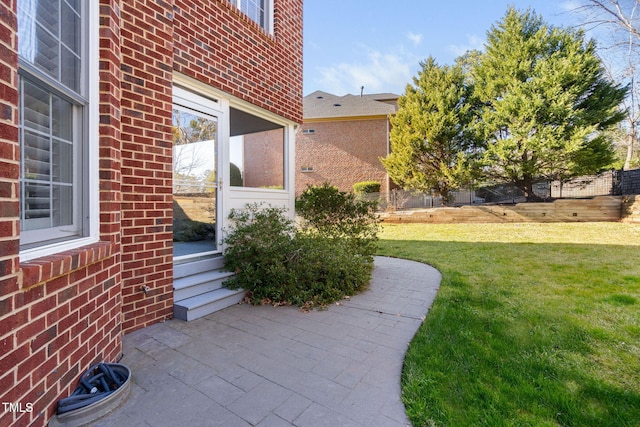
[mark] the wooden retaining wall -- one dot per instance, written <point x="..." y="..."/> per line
<point x="598" y="209"/>
<point x="631" y="209"/>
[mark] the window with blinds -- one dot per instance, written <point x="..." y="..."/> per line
<point x="52" y="108"/>
<point x="258" y="10"/>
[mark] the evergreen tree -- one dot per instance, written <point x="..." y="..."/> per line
<point x="619" y="47"/>
<point x="431" y="142"/>
<point x="546" y="103"/>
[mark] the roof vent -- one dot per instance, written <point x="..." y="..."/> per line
<point x="337" y="105"/>
<point x="319" y="97"/>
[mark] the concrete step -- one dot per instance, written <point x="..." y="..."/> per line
<point x="195" y="267"/>
<point x="198" y="288"/>
<point x="199" y="283"/>
<point x="204" y="304"/>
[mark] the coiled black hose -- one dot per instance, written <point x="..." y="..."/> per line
<point x="96" y="384"/>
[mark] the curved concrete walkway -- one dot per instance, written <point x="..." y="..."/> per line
<point x="264" y="366"/>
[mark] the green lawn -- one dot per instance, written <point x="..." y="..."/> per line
<point x="534" y="324"/>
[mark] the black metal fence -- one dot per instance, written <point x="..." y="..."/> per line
<point x="630" y="182"/>
<point x="402" y="199"/>
<point x="611" y="183"/>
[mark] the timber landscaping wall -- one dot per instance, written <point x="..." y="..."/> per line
<point x="631" y="209"/>
<point x="602" y="208"/>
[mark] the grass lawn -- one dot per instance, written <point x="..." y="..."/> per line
<point x="534" y="324"/>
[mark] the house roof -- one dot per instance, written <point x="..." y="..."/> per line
<point x="323" y="105"/>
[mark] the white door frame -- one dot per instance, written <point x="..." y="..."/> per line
<point x="237" y="197"/>
<point x="211" y="107"/>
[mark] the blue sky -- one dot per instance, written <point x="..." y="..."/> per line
<point x="378" y="44"/>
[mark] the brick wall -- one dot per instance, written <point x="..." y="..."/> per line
<point x="65" y="318"/>
<point x="59" y="314"/>
<point x="110" y="157"/>
<point x="9" y="156"/>
<point x="342" y="153"/>
<point x="212" y="42"/>
<point x="12" y="350"/>
<point x="147" y="257"/>
<point x="218" y="45"/>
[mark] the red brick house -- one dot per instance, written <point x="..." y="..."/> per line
<point x="342" y="140"/>
<point x="122" y="122"/>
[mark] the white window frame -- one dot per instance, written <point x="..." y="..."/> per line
<point x="90" y="197"/>
<point x="267" y="25"/>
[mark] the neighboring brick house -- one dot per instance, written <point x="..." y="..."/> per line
<point x="99" y="101"/>
<point x="342" y="140"/>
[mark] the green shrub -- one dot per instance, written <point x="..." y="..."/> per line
<point x="280" y="265"/>
<point x="235" y="176"/>
<point x="366" y="187"/>
<point x="335" y="214"/>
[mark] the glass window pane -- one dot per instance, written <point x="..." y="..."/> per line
<point x="236" y="156"/>
<point x="37" y="206"/>
<point x="194" y="182"/>
<point x="36" y="113"/>
<point x="62" y="205"/>
<point x="261" y="18"/>
<point x="36" y="157"/>
<point x="62" y="118"/>
<point x="74" y="4"/>
<point x="264" y="159"/>
<point x="49" y="37"/>
<point x="256" y="152"/>
<point x="189" y="127"/>
<point x="70" y="70"/>
<point x="47" y="15"/>
<point x="257" y="158"/>
<point x="26" y="29"/>
<point x="46" y="52"/>
<point x="62" y="162"/>
<point x="254" y="9"/>
<point x="48" y="165"/>
<point x="70" y="29"/>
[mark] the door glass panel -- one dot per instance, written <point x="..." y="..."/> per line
<point x="256" y="152"/>
<point x="195" y="138"/>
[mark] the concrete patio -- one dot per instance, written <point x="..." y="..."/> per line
<point x="265" y="366"/>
